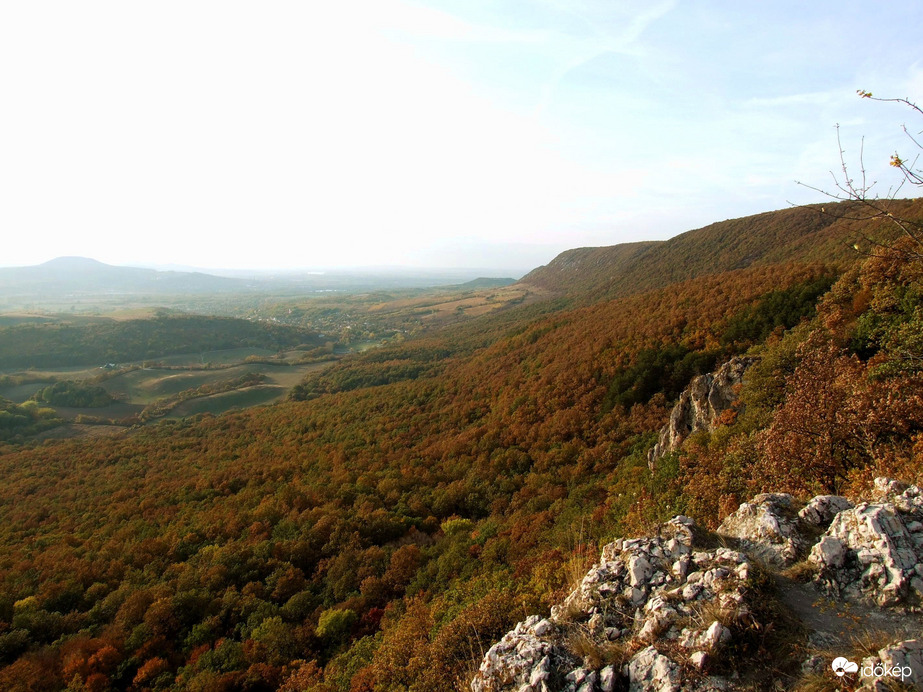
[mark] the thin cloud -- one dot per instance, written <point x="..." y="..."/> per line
<point x="820" y="98"/>
<point x="219" y="132"/>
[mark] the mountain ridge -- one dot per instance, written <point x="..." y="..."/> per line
<point x="813" y="233"/>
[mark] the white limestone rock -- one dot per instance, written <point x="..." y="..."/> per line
<point x="651" y="671"/>
<point x="868" y="555"/>
<point x="830" y="551"/>
<point x="904" y="658"/>
<point x="907" y="499"/>
<point x="768" y="528"/>
<point x="821" y="510"/>
<point x="520" y="659"/>
<point x="700" y="405"/>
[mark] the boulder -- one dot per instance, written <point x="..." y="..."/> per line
<point x="768" y="529"/>
<point x="821" y="510"/>
<point x="904" y="661"/>
<point x="651" y="671"/>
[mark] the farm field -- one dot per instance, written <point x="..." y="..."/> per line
<point x="226" y="401"/>
<point x="175" y="387"/>
<point x="82" y="374"/>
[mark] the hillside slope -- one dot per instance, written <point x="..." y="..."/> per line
<point x="380" y="534"/>
<point x="584" y="269"/>
<point x="802" y="234"/>
<point x="673" y="611"/>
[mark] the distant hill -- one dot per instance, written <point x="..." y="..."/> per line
<point x="94" y="340"/>
<point x="800" y="234"/>
<point x="81" y="276"/>
<point x="79" y="279"/>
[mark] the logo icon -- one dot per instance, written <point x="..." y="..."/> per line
<point x="841" y="666"/>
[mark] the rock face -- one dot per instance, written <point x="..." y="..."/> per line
<point x="873" y="552"/>
<point x="821" y="510"/>
<point x="522" y="657"/>
<point x="655" y="614"/>
<point x="700" y="404"/>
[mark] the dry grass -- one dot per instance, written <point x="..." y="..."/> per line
<point x="830" y="683"/>
<point x="869" y="642"/>
<point x="766" y="647"/>
<point x="818" y="683"/>
<point x="596" y="652"/>
<point x="704" y="539"/>
<point x="582" y="555"/>
<point x="706" y="612"/>
<point x="801" y="572"/>
<point x="462" y="681"/>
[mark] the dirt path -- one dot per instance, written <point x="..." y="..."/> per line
<point x="840" y="625"/>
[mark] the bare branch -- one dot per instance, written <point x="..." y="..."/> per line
<point x="869" y="206"/>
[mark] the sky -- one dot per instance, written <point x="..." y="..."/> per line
<point x="448" y="133"/>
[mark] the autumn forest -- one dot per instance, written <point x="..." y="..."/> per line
<point x="407" y="503"/>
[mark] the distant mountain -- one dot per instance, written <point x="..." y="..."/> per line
<point x="800" y="234"/>
<point x="73" y="278"/>
<point x="81" y="276"/>
<point x="74" y="264"/>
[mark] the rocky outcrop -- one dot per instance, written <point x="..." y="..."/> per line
<point x="524" y="657"/>
<point x="700" y="405"/>
<point x="904" y="662"/>
<point x="821" y="510"/>
<point x="650" y="609"/>
<point x="658" y="613"/>
<point x="768" y="528"/>
<point x="870" y="553"/>
<point x="874" y="551"/>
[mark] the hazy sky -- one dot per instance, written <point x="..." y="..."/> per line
<point x="489" y="133"/>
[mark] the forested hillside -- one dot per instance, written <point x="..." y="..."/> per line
<point x="802" y="234"/>
<point x="96" y="341"/>
<point x="383" y="528"/>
